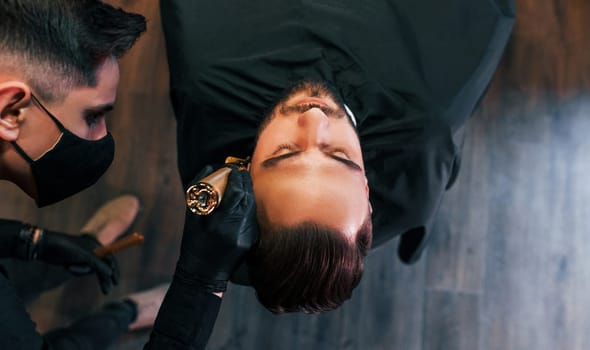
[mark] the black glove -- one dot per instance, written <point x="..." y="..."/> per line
<point x="26" y="242"/>
<point x="76" y="253"/>
<point x="215" y="244"/>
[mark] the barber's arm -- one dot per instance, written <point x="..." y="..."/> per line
<point x="76" y="253"/>
<point x="212" y="247"/>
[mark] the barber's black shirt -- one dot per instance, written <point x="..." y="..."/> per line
<point x="410" y="71"/>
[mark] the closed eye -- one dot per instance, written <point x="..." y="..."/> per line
<point x="349" y="163"/>
<point x="338" y="152"/>
<point x="331" y="153"/>
<point x="284" y="146"/>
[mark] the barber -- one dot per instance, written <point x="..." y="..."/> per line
<point x="212" y="247"/>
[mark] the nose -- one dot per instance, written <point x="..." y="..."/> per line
<point x="313" y="127"/>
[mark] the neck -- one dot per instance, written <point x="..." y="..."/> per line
<point x="3" y="154"/>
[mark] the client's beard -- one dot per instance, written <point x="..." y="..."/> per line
<point x="315" y="88"/>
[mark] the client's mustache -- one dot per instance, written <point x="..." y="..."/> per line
<point x="304" y="107"/>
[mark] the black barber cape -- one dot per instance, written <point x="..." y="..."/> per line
<point x="411" y="72"/>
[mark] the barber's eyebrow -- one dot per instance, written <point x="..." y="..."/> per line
<point x="104" y="108"/>
<point x="274" y="161"/>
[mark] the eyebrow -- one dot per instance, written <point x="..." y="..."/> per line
<point x="274" y="161"/>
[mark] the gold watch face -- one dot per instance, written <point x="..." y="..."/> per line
<point x="202" y="198"/>
<point x="205" y="196"/>
<point x="240" y="163"/>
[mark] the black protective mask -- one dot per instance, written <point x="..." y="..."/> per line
<point x="71" y="166"/>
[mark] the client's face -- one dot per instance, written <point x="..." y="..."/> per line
<point x="308" y="165"/>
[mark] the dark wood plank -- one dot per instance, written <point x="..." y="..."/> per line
<point x="456" y="255"/>
<point x="535" y="266"/>
<point x="452" y="321"/>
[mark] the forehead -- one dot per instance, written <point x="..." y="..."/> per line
<point x="290" y="198"/>
<point x="105" y="90"/>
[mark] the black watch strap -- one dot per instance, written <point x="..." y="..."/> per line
<point x="28" y="239"/>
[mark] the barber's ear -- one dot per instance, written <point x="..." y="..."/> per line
<point x="14" y="96"/>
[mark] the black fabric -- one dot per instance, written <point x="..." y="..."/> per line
<point x="94" y="332"/>
<point x="9" y="237"/>
<point x="185" y="319"/>
<point x="73" y="165"/>
<point x="411" y="72"/>
<point x="17" y="331"/>
<point x="23" y="281"/>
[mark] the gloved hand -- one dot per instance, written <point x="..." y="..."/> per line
<point x="76" y="253"/>
<point x="215" y="244"/>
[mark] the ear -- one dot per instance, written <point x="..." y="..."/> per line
<point x="368" y="191"/>
<point x="14" y="96"/>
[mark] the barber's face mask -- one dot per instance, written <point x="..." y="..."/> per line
<point x="71" y="166"/>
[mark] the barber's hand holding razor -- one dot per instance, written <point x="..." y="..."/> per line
<point x="214" y="245"/>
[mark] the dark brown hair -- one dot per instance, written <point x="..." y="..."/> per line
<point x="308" y="267"/>
<point x="59" y="44"/>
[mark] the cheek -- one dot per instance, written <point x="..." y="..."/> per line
<point x="347" y="136"/>
<point x="74" y="124"/>
<point x="271" y="137"/>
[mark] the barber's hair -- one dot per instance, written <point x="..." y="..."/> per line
<point x="307" y="267"/>
<point x="57" y="45"/>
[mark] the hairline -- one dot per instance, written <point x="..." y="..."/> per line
<point x="262" y="217"/>
<point x="51" y="81"/>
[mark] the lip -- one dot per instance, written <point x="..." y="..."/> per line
<point x="312" y="100"/>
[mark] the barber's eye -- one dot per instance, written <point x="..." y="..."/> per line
<point x="93" y="119"/>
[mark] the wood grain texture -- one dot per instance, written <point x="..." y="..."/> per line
<point x="507" y="268"/>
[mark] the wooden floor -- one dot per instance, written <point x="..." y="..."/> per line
<point x="508" y="267"/>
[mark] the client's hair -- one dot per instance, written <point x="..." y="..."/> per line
<point x="308" y="267"/>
